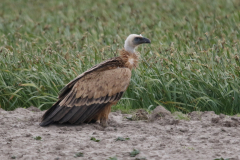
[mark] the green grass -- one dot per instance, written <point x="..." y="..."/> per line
<point x="192" y="64"/>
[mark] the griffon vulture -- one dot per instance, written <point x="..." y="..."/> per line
<point x="89" y="97"/>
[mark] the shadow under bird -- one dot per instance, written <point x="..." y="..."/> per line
<point x="89" y="97"/>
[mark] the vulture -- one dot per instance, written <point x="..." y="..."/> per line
<point x="88" y="98"/>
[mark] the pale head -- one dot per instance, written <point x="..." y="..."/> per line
<point x="133" y="40"/>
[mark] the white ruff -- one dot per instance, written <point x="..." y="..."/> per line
<point x="131" y="61"/>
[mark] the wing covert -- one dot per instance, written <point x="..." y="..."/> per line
<point x="98" y="87"/>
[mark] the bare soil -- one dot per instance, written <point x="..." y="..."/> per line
<point x="199" y="135"/>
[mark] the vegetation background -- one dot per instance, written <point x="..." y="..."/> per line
<point x="192" y="64"/>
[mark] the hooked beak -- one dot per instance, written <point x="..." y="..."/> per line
<point x="141" y="40"/>
<point x="145" y="40"/>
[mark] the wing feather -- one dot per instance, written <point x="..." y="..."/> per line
<point x="91" y="87"/>
<point x="99" y="67"/>
<point x="69" y="114"/>
<point x="92" y="110"/>
<point x="78" y="114"/>
<point x="61" y="113"/>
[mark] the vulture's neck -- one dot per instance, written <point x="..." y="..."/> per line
<point x="130" y="60"/>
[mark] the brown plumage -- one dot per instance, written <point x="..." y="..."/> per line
<point x="89" y="97"/>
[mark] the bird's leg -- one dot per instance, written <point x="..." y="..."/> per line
<point x="103" y="115"/>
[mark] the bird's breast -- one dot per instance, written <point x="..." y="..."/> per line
<point x="130" y="60"/>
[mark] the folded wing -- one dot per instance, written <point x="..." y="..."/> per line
<point x="85" y="97"/>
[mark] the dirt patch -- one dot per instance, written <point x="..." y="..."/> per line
<point x="204" y="135"/>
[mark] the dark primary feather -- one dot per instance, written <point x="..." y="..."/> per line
<point x="76" y="114"/>
<point x="49" y="114"/>
<point x="90" y="113"/>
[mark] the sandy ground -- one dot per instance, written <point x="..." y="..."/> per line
<point x="202" y="135"/>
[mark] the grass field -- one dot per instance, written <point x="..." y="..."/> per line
<point x="192" y="64"/>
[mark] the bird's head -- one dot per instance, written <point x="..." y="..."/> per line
<point x="133" y="40"/>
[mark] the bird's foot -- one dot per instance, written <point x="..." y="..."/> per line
<point x="104" y="123"/>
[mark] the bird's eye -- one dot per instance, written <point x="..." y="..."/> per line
<point x="137" y="38"/>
